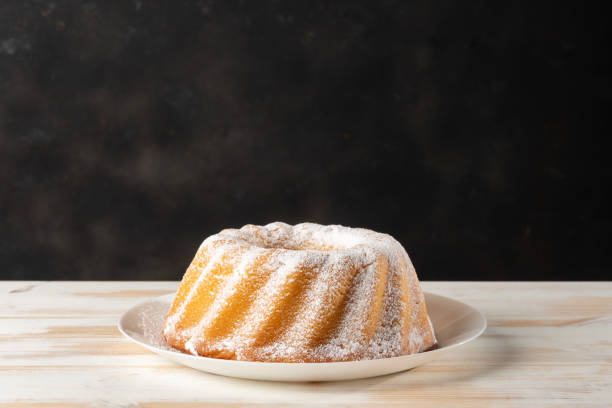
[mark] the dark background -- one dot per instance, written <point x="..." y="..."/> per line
<point x="131" y="130"/>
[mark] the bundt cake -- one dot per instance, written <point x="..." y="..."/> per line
<point x="303" y="293"/>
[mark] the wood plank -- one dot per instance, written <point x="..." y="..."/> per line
<point x="548" y="344"/>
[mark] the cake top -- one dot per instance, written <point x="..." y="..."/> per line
<point x="307" y="236"/>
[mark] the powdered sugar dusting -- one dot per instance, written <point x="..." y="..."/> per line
<point x="150" y="327"/>
<point x="337" y="313"/>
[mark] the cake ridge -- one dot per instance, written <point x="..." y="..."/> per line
<point x="173" y="318"/>
<point x="281" y="284"/>
<point x="357" y="310"/>
<point x="320" y="295"/>
<point x="226" y="291"/>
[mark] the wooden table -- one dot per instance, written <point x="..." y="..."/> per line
<point x="548" y="344"/>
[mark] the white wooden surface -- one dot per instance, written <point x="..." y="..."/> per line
<point x="548" y="344"/>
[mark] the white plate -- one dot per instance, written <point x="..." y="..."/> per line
<point x="455" y="323"/>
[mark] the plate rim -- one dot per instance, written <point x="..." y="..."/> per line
<point x="435" y="352"/>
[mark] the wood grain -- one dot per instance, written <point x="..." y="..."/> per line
<point x="548" y="344"/>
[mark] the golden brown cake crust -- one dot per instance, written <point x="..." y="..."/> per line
<point x="303" y="293"/>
